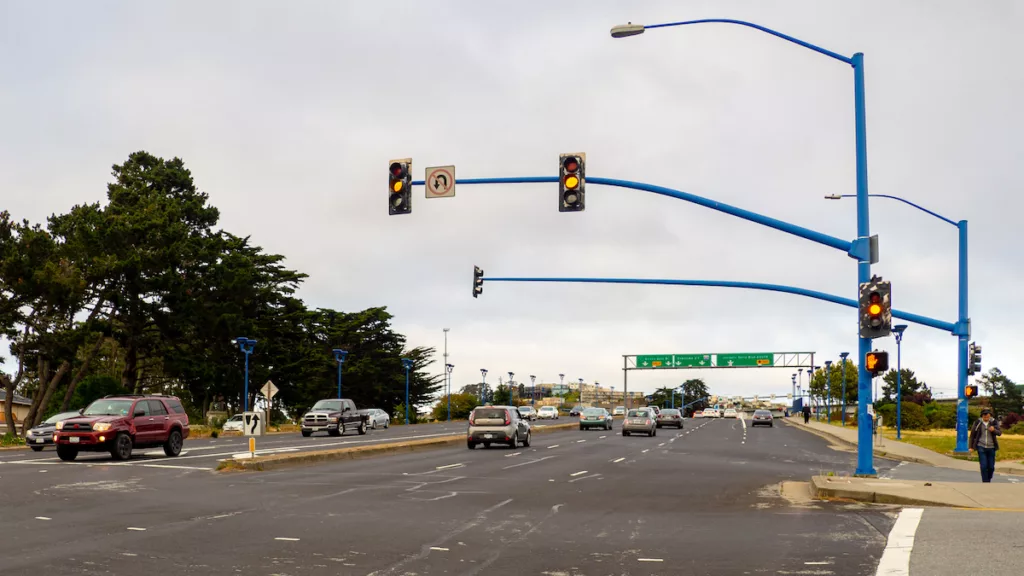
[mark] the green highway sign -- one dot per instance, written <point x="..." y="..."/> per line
<point x="740" y="360"/>
<point x="692" y="360"/>
<point x="654" y="361"/>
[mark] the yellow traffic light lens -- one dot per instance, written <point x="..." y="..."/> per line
<point x="572" y="182"/>
<point x="875" y="309"/>
<point x="397" y="186"/>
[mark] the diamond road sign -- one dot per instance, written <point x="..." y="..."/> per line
<point x="735" y="360"/>
<point x="654" y="361"/>
<point x="691" y="360"/>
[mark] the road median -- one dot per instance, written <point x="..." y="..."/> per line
<point x="278" y="461"/>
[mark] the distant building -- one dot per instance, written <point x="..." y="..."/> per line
<point x="19" y="406"/>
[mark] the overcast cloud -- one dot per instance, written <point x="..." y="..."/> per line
<point x="287" y="113"/>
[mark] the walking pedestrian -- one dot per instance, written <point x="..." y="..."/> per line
<point x="807" y="413"/>
<point x="983" y="439"/>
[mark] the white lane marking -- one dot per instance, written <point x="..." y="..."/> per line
<point x="578" y="441"/>
<point x="439" y="548"/>
<point x="512" y="454"/>
<point x="650" y="560"/>
<point x="552" y="446"/>
<point x="447" y="466"/>
<point x="660" y="445"/>
<point x="643" y="451"/>
<point x="172" y="467"/>
<point x="619" y="459"/>
<point x="527" y="462"/>
<point x="578" y="473"/>
<point x="605" y="436"/>
<point x="896" y="556"/>
<point x="825" y="563"/>
<point x="43" y="518"/>
<point x="595" y="475"/>
<point x="286" y="539"/>
<point x="134" y="529"/>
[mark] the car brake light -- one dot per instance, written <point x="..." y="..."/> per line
<point x="472" y="420"/>
<point x="648" y="422"/>
<point x="508" y="418"/>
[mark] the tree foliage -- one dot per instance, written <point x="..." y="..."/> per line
<point x="144" y="294"/>
<point x="830" y="385"/>
<point x="1004" y="394"/>
<point x="911" y="390"/>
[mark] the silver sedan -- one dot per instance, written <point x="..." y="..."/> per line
<point x="639" y="420"/>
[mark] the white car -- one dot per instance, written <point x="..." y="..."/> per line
<point x="234" y="424"/>
<point x="731" y="413"/>
<point x="710" y="413"/>
<point x="547" y="413"/>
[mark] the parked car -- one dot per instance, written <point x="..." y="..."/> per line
<point x="119" y="424"/>
<point x="41" y="436"/>
<point x="595" y="418"/>
<point x="497" y="424"/>
<point x="547" y="413"/>
<point x="528" y="412"/>
<point x="335" y="416"/>
<point x="376" y="418"/>
<point x="235" y="423"/>
<point x="669" y="417"/>
<point x="762" y="418"/>
<point x="639" y="420"/>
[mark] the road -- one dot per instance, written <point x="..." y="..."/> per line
<point x="702" y="501"/>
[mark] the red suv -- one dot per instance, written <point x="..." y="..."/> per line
<point x="118" y="424"/>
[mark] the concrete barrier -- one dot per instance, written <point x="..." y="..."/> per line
<point x="278" y="461"/>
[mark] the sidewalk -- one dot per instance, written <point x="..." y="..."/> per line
<point x="897" y="450"/>
<point x="916" y="493"/>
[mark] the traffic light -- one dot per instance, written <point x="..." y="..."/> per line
<point x="478" y="281"/>
<point x="971" y="390"/>
<point x="973" y="358"/>
<point x="400" y="187"/>
<point x="875" y="308"/>
<point x="876" y="362"/>
<point x="572" y="182"/>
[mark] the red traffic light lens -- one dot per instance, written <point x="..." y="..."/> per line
<point x="875" y="298"/>
<point x="571" y="164"/>
<point x="397" y="170"/>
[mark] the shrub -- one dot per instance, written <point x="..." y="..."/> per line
<point x="1011" y="419"/>
<point x="940" y="415"/>
<point x="1017" y="428"/>
<point x="911" y="416"/>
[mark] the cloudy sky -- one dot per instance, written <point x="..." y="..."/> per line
<point x="288" y="112"/>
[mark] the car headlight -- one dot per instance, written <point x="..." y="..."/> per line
<point x="60" y="425"/>
<point x="333" y="419"/>
<point x="101" y="427"/>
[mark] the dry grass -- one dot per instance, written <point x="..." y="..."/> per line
<point x="1011" y="446"/>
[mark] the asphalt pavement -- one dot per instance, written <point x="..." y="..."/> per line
<point x="704" y="500"/>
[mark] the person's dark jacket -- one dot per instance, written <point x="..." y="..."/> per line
<point x="976" y="433"/>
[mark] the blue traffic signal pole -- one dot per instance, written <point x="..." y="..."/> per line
<point x="962" y="329"/>
<point x="339" y="357"/>
<point x="246" y="345"/>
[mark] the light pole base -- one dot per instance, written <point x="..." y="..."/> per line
<point x="956" y="453"/>
<point x="865" y="475"/>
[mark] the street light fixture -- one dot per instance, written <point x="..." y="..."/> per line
<point x="898" y="329"/>
<point x="339" y="357"/>
<point x="626" y="30"/>
<point x="407" y="363"/>
<point x="483" y="385"/>
<point x="246" y="345"/>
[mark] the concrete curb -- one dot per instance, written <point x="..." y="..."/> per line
<point x="279" y="461"/>
<point x="824" y="490"/>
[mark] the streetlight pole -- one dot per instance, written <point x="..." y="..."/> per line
<point x="246" y="345"/>
<point x="843" y="355"/>
<point x="408" y="365"/>
<point x="339" y="357"/>
<point x="795" y="396"/>
<point x="861" y="246"/>
<point x="533" y="389"/>
<point x="962" y="328"/>
<point x="510" y="401"/>
<point x="483" y="386"/>
<point x="581" y="393"/>
<point x="898" y="331"/>
<point x="828" y="380"/>
<point x="448" y="369"/>
<point x="446" y="385"/>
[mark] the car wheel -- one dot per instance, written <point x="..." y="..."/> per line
<point x="581" y="426"/>
<point x="337" y="431"/>
<point x="307" y="433"/>
<point x="37" y="448"/>
<point x="374" y="425"/>
<point x="173" y="445"/>
<point x="771" y="425"/>
<point x="526" y="443"/>
<point x="386" y="424"/>
<point x="487" y="444"/>
<point x="362" y="428"/>
<point x="471" y="445"/>
<point x="624" y="433"/>
<point x="654" y="432"/>
<point x="67" y="453"/>
<point x="122" y="448"/>
<point x="515" y="441"/>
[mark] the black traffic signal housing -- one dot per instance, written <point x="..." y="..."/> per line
<point x="875" y="308"/>
<point x="876" y="362"/>
<point x="973" y="358"/>
<point x="400" y="186"/>
<point x="478" y="281"/>
<point x="971" y="390"/>
<point x="572" y="182"/>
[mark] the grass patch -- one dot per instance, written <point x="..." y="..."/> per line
<point x="1011" y="446"/>
<point x="9" y="439"/>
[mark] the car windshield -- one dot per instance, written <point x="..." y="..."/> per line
<point x="327" y="405"/>
<point x="58" y="417"/>
<point x="235" y="418"/>
<point x="547" y="409"/>
<point x="108" y="408"/>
